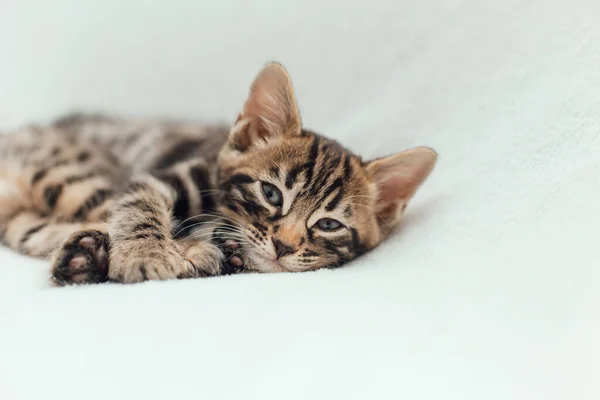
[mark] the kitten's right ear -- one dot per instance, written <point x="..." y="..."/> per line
<point x="270" y="109"/>
<point x="397" y="178"/>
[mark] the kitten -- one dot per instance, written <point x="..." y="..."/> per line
<point x="127" y="201"/>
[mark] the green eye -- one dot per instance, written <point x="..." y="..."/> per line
<point x="328" y="224"/>
<point x="272" y="194"/>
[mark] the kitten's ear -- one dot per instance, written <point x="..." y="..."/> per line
<point x="397" y="178"/>
<point x="270" y="109"/>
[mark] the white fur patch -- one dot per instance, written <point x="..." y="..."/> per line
<point x="8" y="189"/>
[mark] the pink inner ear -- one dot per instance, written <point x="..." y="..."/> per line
<point x="394" y="188"/>
<point x="271" y="105"/>
<point x="399" y="176"/>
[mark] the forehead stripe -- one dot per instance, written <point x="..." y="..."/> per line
<point x="337" y="183"/>
<point x="314" y="148"/>
<point x="319" y="180"/>
<point x="347" y="168"/>
<point x="336" y="200"/>
<point x="292" y="175"/>
<point x="326" y="171"/>
<point x="312" y="159"/>
<point x="274" y="171"/>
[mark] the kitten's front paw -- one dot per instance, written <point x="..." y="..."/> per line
<point x="203" y="259"/>
<point x="143" y="264"/>
<point x="83" y="258"/>
<point x="233" y="262"/>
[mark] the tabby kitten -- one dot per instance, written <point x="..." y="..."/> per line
<point x="114" y="200"/>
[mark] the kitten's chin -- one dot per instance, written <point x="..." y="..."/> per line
<point x="255" y="262"/>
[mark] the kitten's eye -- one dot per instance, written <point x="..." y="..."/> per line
<point x="328" y="224"/>
<point x="272" y="194"/>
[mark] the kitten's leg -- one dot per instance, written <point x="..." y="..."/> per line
<point x="58" y="189"/>
<point x="142" y="247"/>
<point x="79" y="251"/>
<point x="191" y="182"/>
<point x="67" y="194"/>
<point x="79" y="187"/>
<point x="194" y="201"/>
<point x="32" y="234"/>
<point x="85" y="258"/>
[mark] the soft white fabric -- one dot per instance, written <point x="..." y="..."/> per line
<point x="490" y="290"/>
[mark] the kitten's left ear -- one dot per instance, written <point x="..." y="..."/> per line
<point x="270" y="109"/>
<point x="397" y="178"/>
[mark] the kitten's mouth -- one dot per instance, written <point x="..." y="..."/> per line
<point x="273" y="266"/>
<point x="256" y="262"/>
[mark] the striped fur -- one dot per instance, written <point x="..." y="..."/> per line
<point x="127" y="201"/>
<point x="127" y="179"/>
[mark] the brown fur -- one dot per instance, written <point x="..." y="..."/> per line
<point x="100" y="195"/>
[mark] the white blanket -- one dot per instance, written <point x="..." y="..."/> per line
<point x="489" y="291"/>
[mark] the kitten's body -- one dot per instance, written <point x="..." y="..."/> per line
<point x="115" y="199"/>
<point x="81" y="154"/>
<point x="68" y="177"/>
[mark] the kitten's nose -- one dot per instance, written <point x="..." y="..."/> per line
<point x="282" y="249"/>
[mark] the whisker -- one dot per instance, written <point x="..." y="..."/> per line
<point x="358" y="196"/>
<point x="216" y="228"/>
<point x="212" y="191"/>
<point x="180" y="224"/>
<point x="213" y="226"/>
<point x="235" y="239"/>
<point x="188" y="219"/>
<point x="228" y="218"/>
<point x="212" y="232"/>
<point x="221" y="244"/>
<point x="220" y="236"/>
<point x="208" y="215"/>
<point x="363" y="205"/>
<point x="368" y="208"/>
<point x="219" y="216"/>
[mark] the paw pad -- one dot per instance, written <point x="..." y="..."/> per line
<point x="84" y="258"/>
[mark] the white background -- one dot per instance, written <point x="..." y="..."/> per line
<point x="490" y="290"/>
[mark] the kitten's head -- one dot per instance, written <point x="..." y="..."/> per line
<point x="301" y="201"/>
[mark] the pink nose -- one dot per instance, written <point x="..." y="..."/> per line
<point x="282" y="249"/>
